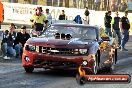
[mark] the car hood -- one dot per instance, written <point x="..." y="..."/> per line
<point x="75" y="42"/>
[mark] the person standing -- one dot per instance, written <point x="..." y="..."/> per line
<point x="48" y="16"/>
<point x="124" y="26"/>
<point x="107" y="22"/>
<point x="1" y="13"/>
<point x="62" y="16"/>
<point x="116" y="28"/>
<point x="86" y="13"/>
<point x="38" y="20"/>
<point x="8" y="42"/>
<point x="20" y="40"/>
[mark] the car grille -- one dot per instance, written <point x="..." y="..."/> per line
<point x="54" y="63"/>
<point x="58" y="51"/>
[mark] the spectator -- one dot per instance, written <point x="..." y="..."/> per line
<point x="38" y="19"/>
<point x="8" y="42"/>
<point x="107" y="20"/>
<point x="116" y="28"/>
<point x="21" y="39"/>
<point x="62" y="16"/>
<point x="1" y="13"/>
<point x="86" y="13"/>
<point x="124" y="26"/>
<point x="78" y="19"/>
<point x="123" y="6"/>
<point x="48" y="16"/>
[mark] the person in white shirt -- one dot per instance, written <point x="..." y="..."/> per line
<point x="48" y="16"/>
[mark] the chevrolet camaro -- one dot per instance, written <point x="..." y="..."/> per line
<point x="67" y="46"/>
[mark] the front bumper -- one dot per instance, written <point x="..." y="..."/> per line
<point x="39" y="60"/>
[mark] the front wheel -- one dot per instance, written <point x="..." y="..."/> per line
<point x="96" y="64"/>
<point x="29" y="69"/>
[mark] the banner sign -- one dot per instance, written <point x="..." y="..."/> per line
<point x="21" y="13"/>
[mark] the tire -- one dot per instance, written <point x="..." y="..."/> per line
<point x="29" y="69"/>
<point x="96" y="64"/>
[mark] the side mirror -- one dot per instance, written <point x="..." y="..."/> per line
<point x="105" y="38"/>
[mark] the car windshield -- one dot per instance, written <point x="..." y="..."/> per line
<point x="87" y="33"/>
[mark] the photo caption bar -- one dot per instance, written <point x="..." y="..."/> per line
<point x="115" y="78"/>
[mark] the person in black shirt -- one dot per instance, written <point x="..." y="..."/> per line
<point x="86" y="13"/>
<point x="8" y="42"/>
<point x="124" y="26"/>
<point x="21" y="39"/>
<point x="107" y="20"/>
<point x="62" y="16"/>
<point x="116" y="28"/>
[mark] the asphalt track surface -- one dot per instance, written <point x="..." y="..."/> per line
<point x="12" y="74"/>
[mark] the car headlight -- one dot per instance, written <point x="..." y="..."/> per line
<point x="30" y="47"/>
<point x="83" y="51"/>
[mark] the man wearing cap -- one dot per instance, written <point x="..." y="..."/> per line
<point x="21" y="39"/>
<point x="116" y="28"/>
<point x="39" y="20"/>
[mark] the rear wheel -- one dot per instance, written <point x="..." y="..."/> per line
<point x="29" y="69"/>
